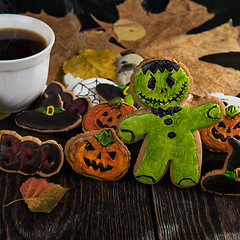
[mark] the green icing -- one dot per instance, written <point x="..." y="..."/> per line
<point x="44" y="110"/>
<point x="162" y="92"/>
<point x="129" y="100"/>
<point x="122" y="87"/>
<point x="231" y="110"/>
<point x="170" y="138"/>
<point x="116" y="101"/>
<point x="229" y="174"/>
<point x="105" y="138"/>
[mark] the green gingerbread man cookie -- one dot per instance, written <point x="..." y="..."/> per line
<point x="169" y="127"/>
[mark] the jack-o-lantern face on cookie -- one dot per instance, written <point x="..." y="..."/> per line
<point x="105" y="115"/>
<point x="215" y="137"/>
<point x="99" y="156"/>
<point x="161" y="83"/>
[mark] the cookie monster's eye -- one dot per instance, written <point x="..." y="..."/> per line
<point x="170" y="80"/>
<point x="152" y="82"/>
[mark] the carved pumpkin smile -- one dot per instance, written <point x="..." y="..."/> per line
<point x="218" y="135"/>
<point x="221" y="136"/>
<point x="215" y="137"/>
<point x="96" y="166"/>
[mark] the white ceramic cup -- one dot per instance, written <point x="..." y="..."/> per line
<point x="23" y="80"/>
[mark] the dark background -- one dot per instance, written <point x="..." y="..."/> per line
<point x="105" y="10"/>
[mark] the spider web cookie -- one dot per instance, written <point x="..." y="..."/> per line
<point x="87" y="88"/>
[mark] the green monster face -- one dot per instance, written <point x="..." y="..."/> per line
<point x="161" y="83"/>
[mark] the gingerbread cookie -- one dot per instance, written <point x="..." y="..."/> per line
<point x="98" y="154"/>
<point x="50" y="116"/>
<point x="214" y="138"/>
<point x="28" y="155"/>
<point x="105" y="115"/>
<point x="169" y="129"/>
<point x="226" y="180"/>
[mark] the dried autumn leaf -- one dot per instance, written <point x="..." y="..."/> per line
<point x="127" y="30"/>
<point x="40" y="195"/>
<point x="207" y="77"/>
<point x="179" y="17"/>
<point x="92" y="63"/>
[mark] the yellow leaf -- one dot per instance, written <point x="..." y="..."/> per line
<point x="91" y="63"/>
<point x="127" y="30"/>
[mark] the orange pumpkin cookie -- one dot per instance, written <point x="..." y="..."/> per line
<point x="98" y="154"/>
<point x="105" y="115"/>
<point x="215" y="137"/>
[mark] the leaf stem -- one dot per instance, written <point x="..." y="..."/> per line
<point x="17" y="200"/>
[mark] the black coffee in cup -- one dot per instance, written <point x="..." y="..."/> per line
<point x="19" y="43"/>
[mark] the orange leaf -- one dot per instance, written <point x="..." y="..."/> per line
<point x="40" y="195"/>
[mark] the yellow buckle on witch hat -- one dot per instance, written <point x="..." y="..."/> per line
<point x="50" y="110"/>
<point x="237" y="174"/>
<point x="125" y="91"/>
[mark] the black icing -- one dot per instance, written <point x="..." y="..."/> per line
<point x="226" y="183"/>
<point x="221" y="184"/>
<point x="171" y="135"/>
<point x="154" y="65"/>
<point x="168" y="121"/>
<point x="152" y="83"/>
<point x="170" y="81"/>
<point x="96" y="166"/>
<point x="234" y="159"/>
<point x="30" y="157"/>
<point x="170" y="111"/>
<point x="9" y="147"/>
<point x="51" y="158"/>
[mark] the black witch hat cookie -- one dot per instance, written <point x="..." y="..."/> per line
<point x="225" y="181"/>
<point x="70" y="102"/>
<point x="50" y="116"/>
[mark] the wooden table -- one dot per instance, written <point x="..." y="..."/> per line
<point x="125" y="209"/>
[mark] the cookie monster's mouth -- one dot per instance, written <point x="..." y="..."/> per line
<point x="158" y="101"/>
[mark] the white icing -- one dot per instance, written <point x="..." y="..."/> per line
<point x="70" y="81"/>
<point x="125" y="66"/>
<point x="227" y="99"/>
<point x="86" y="88"/>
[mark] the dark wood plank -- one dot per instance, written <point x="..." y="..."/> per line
<point x="194" y="214"/>
<point x="89" y="210"/>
